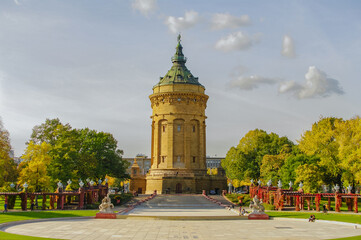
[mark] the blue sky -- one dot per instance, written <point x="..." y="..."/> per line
<point x="273" y="65"/>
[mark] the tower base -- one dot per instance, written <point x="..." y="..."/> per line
<point x="177" y="181"/>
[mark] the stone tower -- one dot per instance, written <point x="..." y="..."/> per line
<point x="178" y="149"/>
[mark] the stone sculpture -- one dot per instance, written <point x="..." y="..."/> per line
<point x="106" y="205"/>
<point x="257" y="209"/>
<point x="256" y="206"/>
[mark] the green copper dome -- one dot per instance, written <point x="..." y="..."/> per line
<point x="178" y="74"/>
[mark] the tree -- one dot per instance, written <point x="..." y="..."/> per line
<point x="292" y="162"/>
<point x="349" y="139"/>
<point x="244" y="161"/>
<point x="49" y="131"/>
<point x="34" y="167"/>
<point x="321" y="141"/>
<point x="271" y="166"/>
<point x="311" y="176"/>
<point x="8" y="172"/>
<point x="79" y="153"/>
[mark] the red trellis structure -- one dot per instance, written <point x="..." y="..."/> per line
<point x="288" y="197"/>
<point x="85" y="195"/>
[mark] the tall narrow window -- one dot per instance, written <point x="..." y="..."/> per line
<point x="163" y="128"/>
<point x="163" y="157"/>
<point x="178" y="158"/>
<point x="179" y="128"/>
<point x="194" y="128"/>
<point x="194" y="159"/>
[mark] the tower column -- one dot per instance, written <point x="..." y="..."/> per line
<point x="170" y="144"/>
<point x="187" y="144"/>
<point x="202" y="145"/>
<point x="152" y="145"/>
<point x="156" y="147"/>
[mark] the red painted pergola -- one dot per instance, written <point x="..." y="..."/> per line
<point x="86" y="195"/>
<point x="281" y="197"/>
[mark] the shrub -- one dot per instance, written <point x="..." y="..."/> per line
<point x="120" y="199"/>
<point x="93" y="206"/>
<point x="269" y="206"/>
<point x="236" y="197"/>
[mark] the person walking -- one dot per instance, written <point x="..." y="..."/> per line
<point x="5" y="208"/>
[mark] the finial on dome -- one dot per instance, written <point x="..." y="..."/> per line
<point x="179" y="38"/>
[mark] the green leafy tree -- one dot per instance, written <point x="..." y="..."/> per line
<point x="311" y="176"/>
<point x="271" y="166"/>
<point x="321" y="141"/>
<point x="49" y="131"/>
<point x="244" y="161"/>
<point x="34" y="167"/>
<point x="79" y="153"/>
<point x="349" y="139"/>
<point x="8" y="172"/>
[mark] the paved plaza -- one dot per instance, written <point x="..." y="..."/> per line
<point x="141" y="223"/>
<point x="137" y="229"/>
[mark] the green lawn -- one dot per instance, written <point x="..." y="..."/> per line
<point x="18" y="216"/>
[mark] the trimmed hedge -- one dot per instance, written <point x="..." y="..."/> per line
<point x="120" y="199"/>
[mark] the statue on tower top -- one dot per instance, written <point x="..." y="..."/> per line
<point x="179" y="38"/>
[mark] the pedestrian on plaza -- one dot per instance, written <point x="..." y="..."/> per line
<point x="312" y="218"/>
<point x="324" y="208"/>
<point x="5" y="208"/>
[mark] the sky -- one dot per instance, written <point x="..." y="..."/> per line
<point x="273" y="65"/>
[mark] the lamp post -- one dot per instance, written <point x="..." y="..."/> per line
<point x="269" y="183"/>
<point x="300" y="185"/>
<point x="12" y="185"/>
<point x="290" y="184"/>
<point x="229" y="187"/>
<point x="279" y="185"/>
<point x="91" y="183"/>
<point x="259" y="182"/>
<point x="81" y="184"/>
<point x="25" y="185"/>
<point x="100" y="181"/>
<point x="60" y="185"/>
<point x="337" y="188"/>
<point x="349" y="188"/>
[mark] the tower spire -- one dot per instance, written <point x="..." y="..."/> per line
<point x="179" y="56"/>
<point x="178" y="74"/>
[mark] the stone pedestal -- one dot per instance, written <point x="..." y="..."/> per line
<point x="258" y="216"/>
<point x="262" y="216"/>
<point x="106" y="215"/>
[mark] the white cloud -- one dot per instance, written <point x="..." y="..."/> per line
<point x="145" y="7"/>
<point x="17" y="2"/>
<point x="252" y="82"/>
<point x="177" y="24"/>
<point x="225" y="20"/>
<point x="235" y="41"/>
<point x="288" y="48"/>
<point x="289" y="86"/>
<point x="317" y="85"/>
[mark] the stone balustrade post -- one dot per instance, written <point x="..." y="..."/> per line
<point x="297" y="205"/>
<point x="355" y="204"/>
<point x="43" y="206"/>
